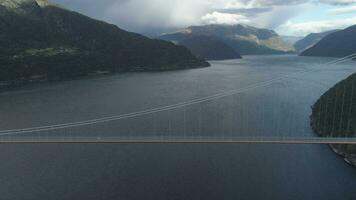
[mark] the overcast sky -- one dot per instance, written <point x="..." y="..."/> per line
<point x="287" y="17"/>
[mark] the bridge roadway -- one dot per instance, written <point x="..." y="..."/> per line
<point x="176" y="140"/>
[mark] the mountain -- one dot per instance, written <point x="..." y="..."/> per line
<point x="209" y="47"/>
<point x="338" y="44"/>
<point x="326" y="122"/>
<point x="310" y="40"/>
<point x="42" y="40"/>
<point x="291" y="40"/>
<point x="242" y="38"/>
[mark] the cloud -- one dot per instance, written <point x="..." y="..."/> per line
<point x="305" y="28"/>
<point x="245" y="11"/>
<point x="155" y="13"/>
<point x="167" y="15"/>
<point x="262" y="3"/>
<point x="171" y="13"/>
<point x="181" y="13"/>
<point x="224" y="18"/>
<point x="140" y="15"/>
<point x="337" y="2"/>
<point x="279" y="15"/>
<point x="341" y="11"/>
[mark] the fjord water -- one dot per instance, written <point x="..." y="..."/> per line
<point x="178" y="171"/>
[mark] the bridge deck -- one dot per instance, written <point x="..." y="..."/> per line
<point x="188" y="140"/>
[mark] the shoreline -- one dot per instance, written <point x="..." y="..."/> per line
<point x="351" y="160"/>
<point x="13" y="85"/>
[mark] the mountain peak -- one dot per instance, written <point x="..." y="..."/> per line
<point x="335" y="44"/>
<point x="42" y="3"/>
<point x="14" y="4"/>
<point x="33" y="38"/>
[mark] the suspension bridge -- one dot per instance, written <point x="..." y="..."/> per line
<point x="165" y="140"/>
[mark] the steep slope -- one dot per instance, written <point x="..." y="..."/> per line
<point x="210" y="48"/>
<point x="339" y="44"/>
<point x="243" y="39"/>
<point x="310" y="40"/>
<point x="41" y="40"/>
<point x="334" y="115"/>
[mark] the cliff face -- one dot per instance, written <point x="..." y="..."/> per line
<point x="338" y="44"/>
<point x="243" y="39"/>
<point x="38" y="39"/>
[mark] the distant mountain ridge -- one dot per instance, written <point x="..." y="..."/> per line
<point x="291" y="39"/>
<point x="338" y="44"/>
<point x="41" y="40"/>
<point x="242" y="38"/>
<point x="209" y="47"/>
<point x="310" y="40"/>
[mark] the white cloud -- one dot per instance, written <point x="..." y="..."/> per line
<point x="163" y="15"/>
<point x="261" y="3"/>
<point x="156" y="13"/>
<point x="338" y="2"/>
<point x="305" y="28"/>
<point x="224" y="18"/>
<point x="345" y="10"/>
<point x="279" y="15"/>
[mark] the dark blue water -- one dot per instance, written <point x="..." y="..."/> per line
<point x="178" y="171"/>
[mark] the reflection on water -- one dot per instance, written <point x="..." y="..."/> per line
<point x="202" y="171"/>
<point x="145" y="104"/>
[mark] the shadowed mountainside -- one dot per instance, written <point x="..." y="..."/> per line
<point x="39" y="40"/>
<point x="310" y="40"/>
<point x="242" y="38"/>
<point x="338" y="44"/>
<point x="209" y="47"/>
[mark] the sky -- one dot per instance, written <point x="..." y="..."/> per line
<point x="287" y="17"/>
